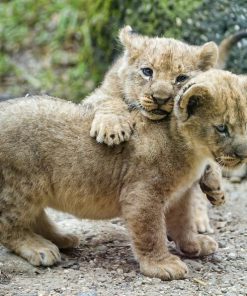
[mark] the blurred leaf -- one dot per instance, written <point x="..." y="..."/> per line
<point x="71" y="43"/>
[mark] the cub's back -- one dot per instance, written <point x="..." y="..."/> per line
<point x="51" y="136"/>
<point x="35" y="123"/>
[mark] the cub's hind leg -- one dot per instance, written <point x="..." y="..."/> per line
<point x="18" y="211"/>
<point x="45" y="227"/>
<point x="182" y="228"/>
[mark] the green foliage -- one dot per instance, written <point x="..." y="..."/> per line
<point x="64" y="47"/>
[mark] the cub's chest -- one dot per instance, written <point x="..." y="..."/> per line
<point x="186" y="179"/>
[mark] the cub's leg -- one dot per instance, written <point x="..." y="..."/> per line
<point x="182" y="229"/>
<point x="45" y="227"/>
<point x="18" y="211"/>
<point x="142" y="208"/>
<point x="200" y="211"/>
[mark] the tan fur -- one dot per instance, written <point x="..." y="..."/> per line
<point x="125" y="84"/>
<point x="47" y="159"/>
<point x="169" y="58"/>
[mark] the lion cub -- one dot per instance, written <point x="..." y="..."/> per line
<point x="146" y="78"/>
<point x="47" y="159"/>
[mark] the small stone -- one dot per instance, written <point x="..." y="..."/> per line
<point x="102" y="248"/>
<point x="119" y="271"/>
<point x="220" y="224"/>
<point x="157" y="280"/>
<point x="89" y="293"/>
<point x="216" y="258"/>
<point x="132" y="274"/>
<point x="231" y="256"/>
<point x="101" y="279"/>
<point x="231" y="294"/>
<point x="194" y="264"/>
<point x="222" y="244"/>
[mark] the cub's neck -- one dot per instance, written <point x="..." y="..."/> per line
<point x="163" y="144"/>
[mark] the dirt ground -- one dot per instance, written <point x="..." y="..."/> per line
<point x="104" y="264"/>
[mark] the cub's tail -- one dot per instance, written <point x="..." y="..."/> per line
<point x="226" y="45"/>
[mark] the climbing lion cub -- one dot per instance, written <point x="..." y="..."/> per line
<point x="147" y="76"/>
<point x="47" y="159"/>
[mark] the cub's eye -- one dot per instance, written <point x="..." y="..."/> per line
<point x="182" y="78"/>
<point x="222" y="129"/>
<point x="147" y="72"/>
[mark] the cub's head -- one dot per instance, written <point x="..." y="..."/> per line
<point x="211" y="112"/>
<point x="156" y="68"/>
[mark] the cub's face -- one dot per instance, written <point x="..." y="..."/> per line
<point x="158" y="67"/>
<point x="211" y="112"/>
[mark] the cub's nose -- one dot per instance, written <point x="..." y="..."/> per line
<point x="160" y="101"/>
<point x="240" y="150"/>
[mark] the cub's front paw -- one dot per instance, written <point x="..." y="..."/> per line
<point x="199" y="245"/>
<point x="216" y="197"/>
<point x="211" y="185"/>
<point x="111" y="129"/>
<point x="45" y="254"/>
<point x="170" y="268"/>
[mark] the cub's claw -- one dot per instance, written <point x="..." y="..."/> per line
<point x="111" y="129"/>
<point x="210" y="184"/>
<point x="40" y="253"/>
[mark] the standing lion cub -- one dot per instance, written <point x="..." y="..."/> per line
<point x="147" y="77"/>
<point x="47" y="159"/>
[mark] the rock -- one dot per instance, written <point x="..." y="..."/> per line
<point x="232" y="256"/>
<point x="216" y="258"/>
<point x="220" y="224"/>
<point x="193" y="264"/>
<point x="132" y="274"/>
<point x="89" y="293"/>
<point x="120" y="271"/>
<point x="222" y="244"/>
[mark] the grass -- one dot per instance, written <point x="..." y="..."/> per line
<point x="63" y="47"/>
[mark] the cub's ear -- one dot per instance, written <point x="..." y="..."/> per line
<point x="126" y="36"/>
<point x="132" y="41"/>
<point x="189" y="100"/>
<point x="208" y="56"/>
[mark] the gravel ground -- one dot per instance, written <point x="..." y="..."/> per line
<point x="104" y="264"/>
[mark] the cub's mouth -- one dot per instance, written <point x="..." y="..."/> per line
<point x="228" y="161"/>
<point x="153" y="108"/>
<point x="154" y="114"/>
<point x="159" y="112"/>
